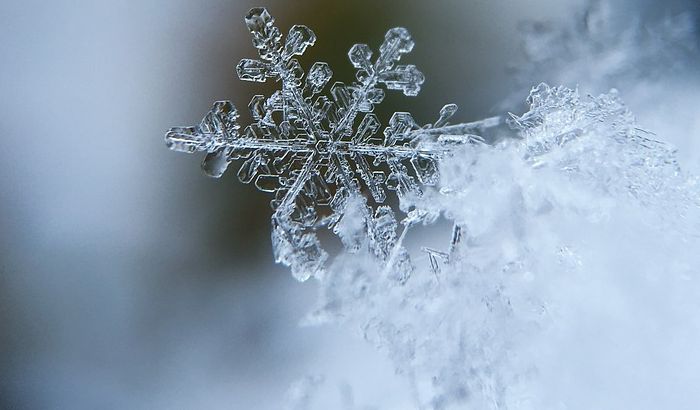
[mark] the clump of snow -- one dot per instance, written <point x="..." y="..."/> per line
<point x="574" y="285"/>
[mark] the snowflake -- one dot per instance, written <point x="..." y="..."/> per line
<point x="322" y="157"/>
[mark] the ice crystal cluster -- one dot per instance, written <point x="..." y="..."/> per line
<point x="316" y="153"/>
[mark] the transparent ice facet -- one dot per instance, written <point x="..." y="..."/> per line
<point x="319" y="75"/>
<point x="361" y="57"/>
<point x="406" y="78"/>
<point x="215" y="163"/>
<point x="298" y="40"/>
<point x="266" y="36"/>
<point x="252" y="70"/>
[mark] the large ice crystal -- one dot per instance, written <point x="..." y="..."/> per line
<point x="313" y="152"/>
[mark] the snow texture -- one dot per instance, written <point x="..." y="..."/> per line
<point x="576" y="271"/>
<point x="313" y="152"/>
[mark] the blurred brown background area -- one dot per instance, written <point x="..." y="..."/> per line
<point x="127" y="278"/>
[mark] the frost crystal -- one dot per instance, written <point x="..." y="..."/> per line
<point x="318" y="154"/>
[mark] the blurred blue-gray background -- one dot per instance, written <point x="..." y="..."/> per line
<point x="130" y="280"/>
